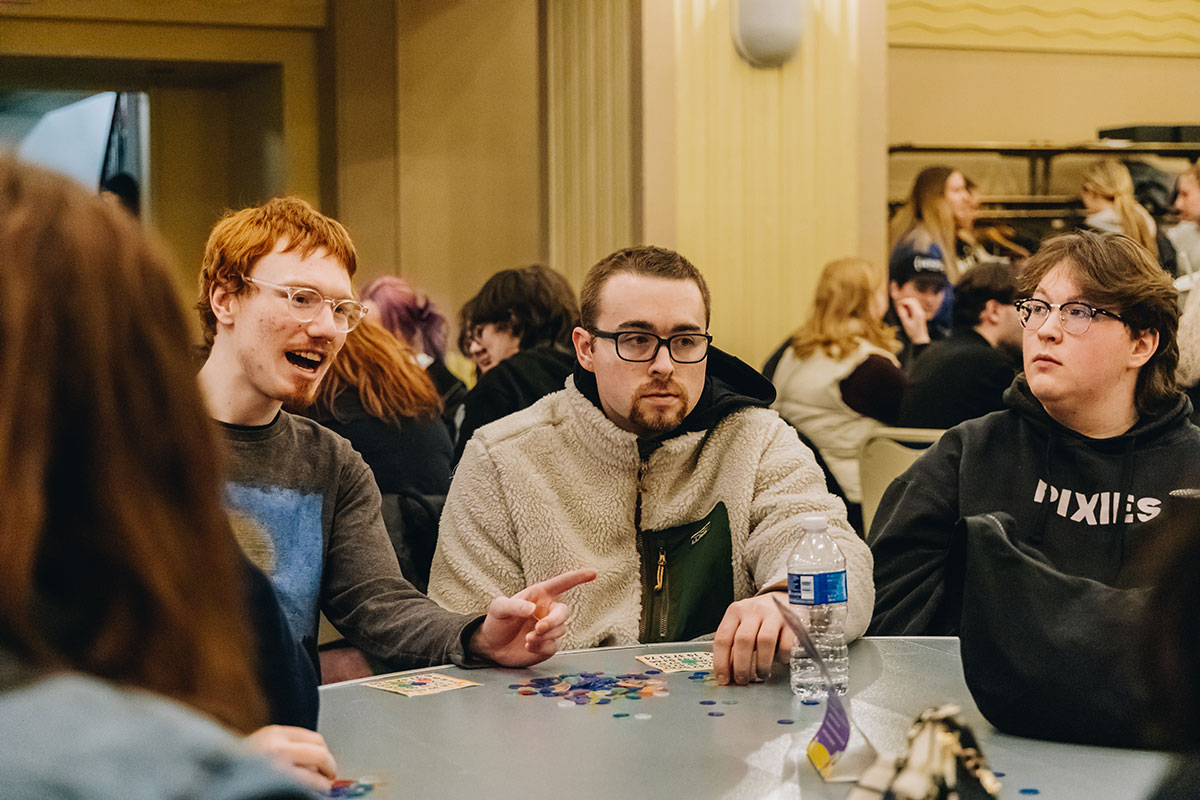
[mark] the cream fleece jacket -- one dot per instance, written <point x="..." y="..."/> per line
<point x="554" y="488"/>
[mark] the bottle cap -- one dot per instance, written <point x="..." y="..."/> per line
<point x="814" y="522"/>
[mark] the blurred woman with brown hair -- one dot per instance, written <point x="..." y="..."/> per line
<point x="118" y="568"/>
<point x="927" y="224"/>
<point x="377" y="395"/>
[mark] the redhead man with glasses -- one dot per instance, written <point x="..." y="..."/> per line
<point x="276" y="304"/>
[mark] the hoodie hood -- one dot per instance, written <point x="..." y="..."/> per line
<point x="1019" y="396"/>
<point x="730" y="384"/>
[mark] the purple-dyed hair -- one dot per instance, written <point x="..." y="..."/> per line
<point x="408" y="316"/>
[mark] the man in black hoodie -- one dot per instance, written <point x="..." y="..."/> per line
<point x="1030" y="522"/>
<point x="660" y="465"/>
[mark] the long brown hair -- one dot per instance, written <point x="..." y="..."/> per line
<point x="842" y="315"/>
<point x="927" y="217"/>
<point x="384" y="371"/>
<point x="116" y="556"/>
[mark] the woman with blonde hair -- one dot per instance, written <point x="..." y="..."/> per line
<point x="1107" y="192"/>
<point x="840" y="379"/>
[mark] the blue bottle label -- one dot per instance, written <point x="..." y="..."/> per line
<point x="816" y="589"/>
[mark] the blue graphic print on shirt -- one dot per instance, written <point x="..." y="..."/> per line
<point x="292" y="520"/>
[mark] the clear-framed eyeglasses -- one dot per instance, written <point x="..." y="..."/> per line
<point x="305" y="303"/>
<point x="1075" y="317"/>
<point x="637" y="346"/>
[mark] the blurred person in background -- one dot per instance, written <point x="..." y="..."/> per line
<point x="1107" y="193"/>
<point x="840" y="380"/>
<point x="965" y="375"/>
<point x="415" y="320"/>
<point x="518" y="332"/>
<point x="377" y="396"/>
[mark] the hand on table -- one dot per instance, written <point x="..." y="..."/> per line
<point x="751" y="637"/>
<point x="913" y="320"/>
<point x="524" y="629"/>
<point x="297" y="752"/>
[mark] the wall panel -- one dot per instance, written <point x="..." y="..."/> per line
<point x="590" y="130"/>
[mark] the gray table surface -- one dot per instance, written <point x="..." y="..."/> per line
<point x="487" y="741"/>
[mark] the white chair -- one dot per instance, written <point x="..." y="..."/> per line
<point x="884" y="455"/>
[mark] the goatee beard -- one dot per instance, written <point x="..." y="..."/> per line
<point x="652" y="422"/>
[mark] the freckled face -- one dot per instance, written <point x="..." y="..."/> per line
<point x="283" y="358"/>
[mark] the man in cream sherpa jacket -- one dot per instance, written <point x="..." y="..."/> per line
<point x="658" y="465"/>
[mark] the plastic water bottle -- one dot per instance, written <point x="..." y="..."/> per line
<point x="817" y="581"/>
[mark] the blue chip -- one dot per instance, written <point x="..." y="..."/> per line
<point x="618" y="716"/>
<point x="654" y="672"/>
<point x="807" y="702"/>
<point x="1029" y="791"/>
<point x="786" y="721"/>
<point x="708" y="702"/>
<point x="515" y="685"/>
<point x="603" y="701"/>
<point x="998" y="774"/>
<point x="716" y="713"/>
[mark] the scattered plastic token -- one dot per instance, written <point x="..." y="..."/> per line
<point x="641" y="716"/>
<point x="344" y="788"/>
<point x="566" y="703"/>
<point x="807" y="702"/>
<point x="654" y="672"/>
<point x="1029" y="791"/>
<point x="708" y="702"/>
<point x="786" y="721"/>
<point x="618" y="716"/>
<point x="729" y="702"/>
<point x="716" y="713"/>
<point x="998" y="774"/>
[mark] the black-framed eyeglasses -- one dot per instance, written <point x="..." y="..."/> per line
<point x="1075" y="317"/>
<point x="305" y="303"/>
<point x="639" y="346"/>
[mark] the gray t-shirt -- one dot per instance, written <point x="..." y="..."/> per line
<point x="315" y="500"/>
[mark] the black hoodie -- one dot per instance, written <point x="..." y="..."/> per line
<point x="729" y="384"/>
<point x="1090" y="507"/>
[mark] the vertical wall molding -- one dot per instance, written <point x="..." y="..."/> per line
<point x="591" y="124"/>
<point x="768" y="172"/>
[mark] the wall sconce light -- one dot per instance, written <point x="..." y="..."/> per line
<point x="767" y="32"/>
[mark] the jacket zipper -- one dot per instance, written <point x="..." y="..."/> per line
<point x="660" y="586"/>
<point x="647" y="593"/>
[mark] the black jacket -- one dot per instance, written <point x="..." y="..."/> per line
<point x="955" y="380"/>
<point x="515" y="383"/>
<point x="1089" y="507"/>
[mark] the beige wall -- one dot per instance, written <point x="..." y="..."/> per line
<point x="470" y="143"/>
<point x="592" y="130"/>
<point x="210" y="94"/>
<point x="772" y="166"/>
<point x="1056" y="71"/>
<point x="759" y="176"/>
